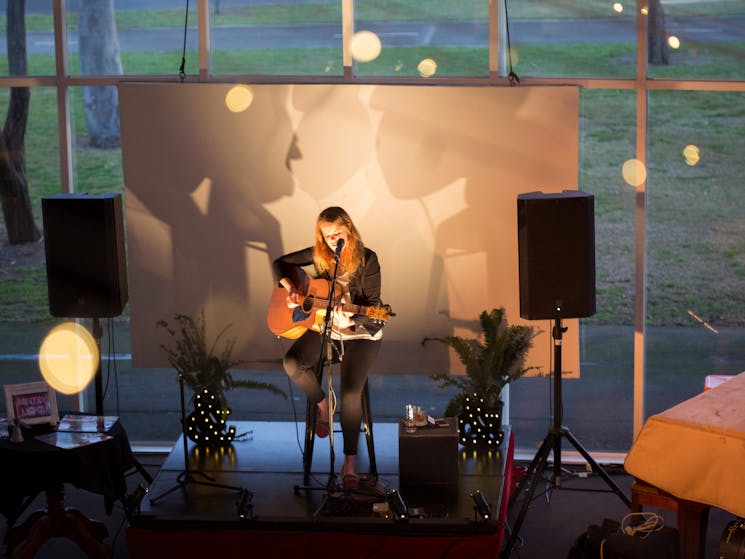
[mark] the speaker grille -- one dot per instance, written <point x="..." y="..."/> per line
<point x="84" y="245"/>
<point x="556" y="237"/>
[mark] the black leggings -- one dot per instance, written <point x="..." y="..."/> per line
<point x="300" y="363"/>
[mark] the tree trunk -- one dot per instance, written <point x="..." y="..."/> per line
<point x="99" y="55"/>
<point x="658" y="52"/>
<point x="16" y="203"/>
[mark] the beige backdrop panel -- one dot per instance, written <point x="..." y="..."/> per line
<point x="430" y="176"/>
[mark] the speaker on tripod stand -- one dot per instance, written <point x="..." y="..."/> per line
<point x="86" y="265"/>
<point x="556" y="247"/>
<point x="85" y="259"/>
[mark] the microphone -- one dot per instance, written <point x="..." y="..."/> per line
<point x="339" y="246"/>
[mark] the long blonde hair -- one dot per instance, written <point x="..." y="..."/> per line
<point x="353" y="255"/>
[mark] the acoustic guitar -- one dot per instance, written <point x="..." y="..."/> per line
<point x="294" y="322"/>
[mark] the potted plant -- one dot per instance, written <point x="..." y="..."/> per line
<point x="491" y="363"/>
<point x="205" y="369"/>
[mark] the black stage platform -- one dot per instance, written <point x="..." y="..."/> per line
<point x="282" y="519"/>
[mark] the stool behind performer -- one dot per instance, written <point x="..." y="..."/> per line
<point x="355" y="335"/>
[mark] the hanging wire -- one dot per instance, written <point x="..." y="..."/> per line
<point x="181" y="70"/>
<point x="111" y="366"/>
<point x="512" y="76"/>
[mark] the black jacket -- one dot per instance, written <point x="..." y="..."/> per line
<point x="364" y="285"/>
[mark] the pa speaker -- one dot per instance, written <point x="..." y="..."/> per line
<point x="556" y="245"/>
<point x="84" y="244"/>
<point x="429" y="457"/>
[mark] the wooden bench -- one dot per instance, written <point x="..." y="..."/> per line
<point x="693" y="517"/>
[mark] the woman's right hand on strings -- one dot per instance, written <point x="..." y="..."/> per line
<point x="293" y="297"/>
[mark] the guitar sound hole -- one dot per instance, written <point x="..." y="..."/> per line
<point x="308" y="304"/>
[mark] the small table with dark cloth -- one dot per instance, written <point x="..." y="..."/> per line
<point x="30" y="467"/>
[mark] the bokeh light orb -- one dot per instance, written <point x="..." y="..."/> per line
<point x="366" y="46"/>
<point x="68" y="358"/>
<point x="691" y="155"/>
<point x="644" y="11"/>
<point x="427" y="67"/>
<point x="239" y="98"/>
<point x="673" y="41"/>
<point x="634" y="172"/>
<point x="618" y="7"/>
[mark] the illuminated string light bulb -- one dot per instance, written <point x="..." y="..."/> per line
<point x="365" y="46"/>
<point x="691" y="154"/>
<point x="634" y="172"/>
<point x="239" y="98"/>
<point x="673" y="42"/>
<point x="68" y="358"/>
<point x="618" y="7"/>
<point x="210" y="429"/>
<point x="479" y="429"/>
<point x="427" y="67"/>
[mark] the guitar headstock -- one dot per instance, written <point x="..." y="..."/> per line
<point x="380" y="314"/>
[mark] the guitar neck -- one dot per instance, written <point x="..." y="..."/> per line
<point x="321" y="304"/>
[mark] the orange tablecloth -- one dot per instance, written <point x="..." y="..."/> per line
<point x="696" y="450"/>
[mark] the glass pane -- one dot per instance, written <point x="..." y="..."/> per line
<point x="96" y="149"/>
<point x="695" y="244"/>
<point x="598" y="405"/>
<point x="276" y="39"/>
<point x="153" y="414"/>
<point x="572" y="39"/>
<point x="443" y="38"/>
<point x="38" y="23"/>
<point x="23" y="295"/>
<point x="130" y="38"/>
<point x="24" y="307"/>
<point x="700" y="40"/>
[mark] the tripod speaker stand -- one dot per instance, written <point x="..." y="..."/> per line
<point x="552" y="441"/>
<point x="555" y="284"/>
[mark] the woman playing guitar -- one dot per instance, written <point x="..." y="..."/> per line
<point x="355" y="336"/>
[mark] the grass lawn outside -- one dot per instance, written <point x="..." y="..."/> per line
<point x="695" y="232"/>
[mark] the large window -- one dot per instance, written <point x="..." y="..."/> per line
<point x="448" y="38"/>
<point x="35" y="55"/>
<point x="23" y="296"/>
<point x="676" y="237"/>
<point x="95" y="139"/>
<point x="108" y="39"/>
<point x="696" y="257"/>
<point x="252" y="38"/>
<point x="573" y="39"/>
<point x="598" y="405"/>
<point x="699" y="40"/>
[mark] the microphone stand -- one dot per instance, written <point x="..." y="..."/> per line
<point x="326" y="357"/>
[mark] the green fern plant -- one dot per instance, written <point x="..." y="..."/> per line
<point x="490" y="363"/>
<point x="203" y="366"/>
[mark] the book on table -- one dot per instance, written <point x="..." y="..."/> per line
<point x="70" y="439"/>
<point x="79" y="423"/>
